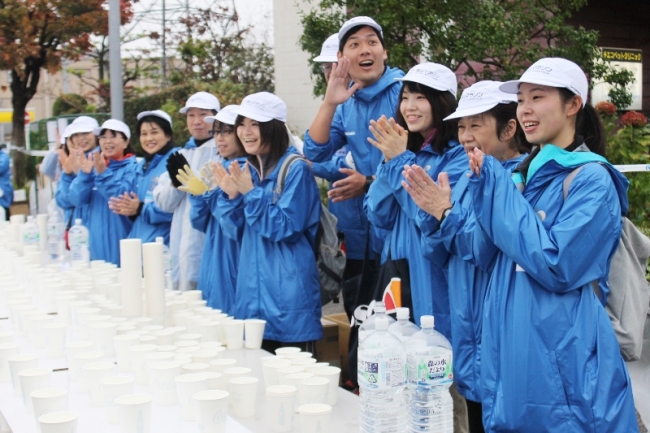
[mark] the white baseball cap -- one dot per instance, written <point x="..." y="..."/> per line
<point x="66" y="133"/>
<point x="553" y="72"/>
<point x="226" y="115"/>
<point x="82" y="125"/>
<point x="329" y="50"/>
<point x="114" y="125"/>
<point x="359" y="21"/>
<point x="433" y="75"/>
<point x="202" y="100"/>
<point x="157" y="113"/>
<point x="263" y="107"/>
<point x="481" y="97"/>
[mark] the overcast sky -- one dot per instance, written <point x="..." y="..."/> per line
<point x="148" y="17"/>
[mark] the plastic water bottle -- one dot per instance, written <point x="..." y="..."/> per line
<point x="381" y="376"/>
<point x="31" y="234"/>
<point x="368" y="325"/>
<point x="429" y="362"/>
<point x="55" y="231"/>
<point x="79" y="242"/>
<point x="167" y="263"/>
<point x="403" y="328"/>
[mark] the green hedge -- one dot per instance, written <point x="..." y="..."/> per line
<point x="173" y="99"/>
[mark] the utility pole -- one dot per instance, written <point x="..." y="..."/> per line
<point x="115" y="58"/>
<point x="164" y="53"/>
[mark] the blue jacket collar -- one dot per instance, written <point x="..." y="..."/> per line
<point x="369" y="93"/>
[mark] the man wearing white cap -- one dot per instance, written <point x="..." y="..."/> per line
<point x="186" y="243"/>
<point x="347" y="109"/>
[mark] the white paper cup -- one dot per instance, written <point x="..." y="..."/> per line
<point x="6" y="350"/>
<point x="18" y="363"/>
<point x="187" y="351"/>
<point x="295" y="379"/>
<point x="315" y="418"/>
<point x="214" y="380"/>
<point x="303" y="362"/>
<point x="194" y="367"/>
<point x="234" y="334"/>
<point x="204" y="355"/>
<point x="211" y="345"/>
<point x="59" y="422"/>
<point x="281" y="351"/>
<point x="161" y="380"/>
<point x="32" y="379"/>
<point x="94" y="372"/>
<point x="243" y="393"/>
<point x="135" y="412"/>
<point x="186" y="343"/>
<point x="270" y="370"/>
<point x="166" y="348"/>
<point x="211" y="410"/>
<point x="164" y="336"/>
<point x="292" y="369"/>
<point x="54" y="335"/>
<point x="147" y="339"/>
<point x="81" y="359"/>
<point x="102" y="334"/>
<point x="112" y="388"/>
<point x="313" y="390"/>
<point x="220" y="364"/>
<point x="187" y="385"/>
<point x="46" y="400"/>
<point x="333" y="374"/>
<point x="156" y="356"/>
<point x="254" y="330"/>
<point x="232" y="372"/>
<point x="137" y="353"/>
<point x="122" y="343"/>
<point x="71" y="348"/>
<point x="7" y="337"/>
<point x="298" y="355"/>
<point x="209" y="330"/>
<point x="310" y="368"/>
<point x="192" y="295"/>
<point x="280" y="407"/>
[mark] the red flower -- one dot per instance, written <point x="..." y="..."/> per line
<point x="634" y="118"/>
<point x="606" y="108"/>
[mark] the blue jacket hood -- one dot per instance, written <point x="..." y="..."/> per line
<point x="369" y="93"/>
<point x="191" y="144"/>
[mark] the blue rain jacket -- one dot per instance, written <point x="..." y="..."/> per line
<point x="152" y="221"/>
<point x="350" y="127"/>
<point x="62" y="197"/>
<point x="550" y="361"/>
<point x="470" y="257"/>
<point x="352" y="220"/>
<point x="93" y="191"/>
<point x="5" y="181"/>
<point x="220" y="259"/>
<point x="390" y="207"/>
<point x="277" y="278"/>
<point x="185" y="243"/>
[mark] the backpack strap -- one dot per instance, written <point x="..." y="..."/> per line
<point x="568" y="180"/>
<point x="284" y="170"/>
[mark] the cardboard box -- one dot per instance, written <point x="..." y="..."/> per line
<point x="327" y="348"/>
<point x="343" y="325"/>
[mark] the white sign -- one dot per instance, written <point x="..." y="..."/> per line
<point x="622" y="59"/>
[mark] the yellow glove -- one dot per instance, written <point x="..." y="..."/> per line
<point x="191" y="183"/>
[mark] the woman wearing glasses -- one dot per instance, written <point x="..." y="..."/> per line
<point x="220" y="259"/>
<point x="149" y="221"/>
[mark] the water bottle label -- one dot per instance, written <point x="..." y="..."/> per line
<point x="427" y="367"/>
<point x="377" y="372"/>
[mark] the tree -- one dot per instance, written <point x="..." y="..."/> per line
<point x="36" y="35"/>
<point x="485" y="39"/>
<point x="70" y="103"/>
<point x="212" y="47"/>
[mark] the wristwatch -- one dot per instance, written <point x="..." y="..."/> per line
<point x="369" y="180"/>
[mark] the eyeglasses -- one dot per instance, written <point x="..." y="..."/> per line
<point x="224" y="132"/>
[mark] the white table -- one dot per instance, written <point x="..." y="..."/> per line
<point x="166" y="419"/>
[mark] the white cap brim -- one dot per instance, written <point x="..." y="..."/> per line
<point x="255" y="115"/>
<point x="513" y="85"/>
<point x="415" y="79"/>
<point x="471" y="111"/>
<point x="325" y="59"/>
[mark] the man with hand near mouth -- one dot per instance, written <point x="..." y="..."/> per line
<point x="361" y="87"/>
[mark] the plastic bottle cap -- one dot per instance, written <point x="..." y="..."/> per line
<point x="77" y="221"/>
<point x="426" y="321"/>
<point x="381" y="324"/>
<point x="403" y="313"/>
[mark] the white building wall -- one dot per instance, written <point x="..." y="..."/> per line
<point x="292" y="79"/>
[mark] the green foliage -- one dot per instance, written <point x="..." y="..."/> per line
<point x="70" y="103"/>
<point x="629" y="144"/>
<point x="482" y="39"/>
<point x="172" y="99"/>
<point x="619" y="78"/>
